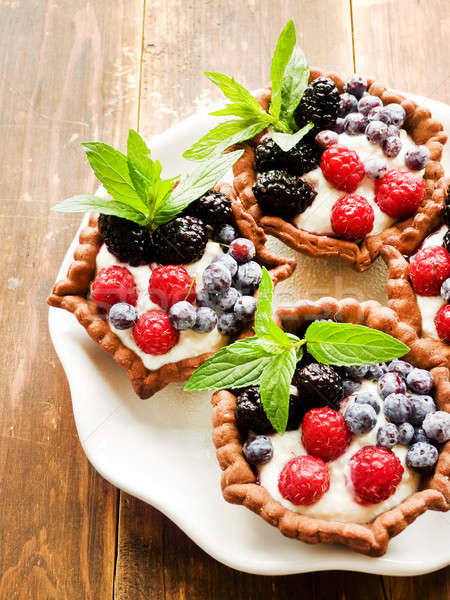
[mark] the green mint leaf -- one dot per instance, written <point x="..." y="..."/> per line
<point x="235" y="366"/>
<point x="232" y="89"/>
<point x="295" y="82"/>
<point x="345" y="344"/>
<point x="225" y="135"/>
<point x="280" y="60"/>
<point x="156" y="195"/>
<point x="93" y="204"/>
<point x="111" y="169"/>
<point x="242" y="110"/>
<point x="286" y="141"/>
<point x="142" y="169"/>
<point x="265" y="327"/>
<point x="274" y="388"/>
<point x="194" y="185"/>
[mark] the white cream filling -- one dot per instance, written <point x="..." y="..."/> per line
<point x="317" y="217"/>
<point x="338" y="502"/>
<point x="190" y="343"/>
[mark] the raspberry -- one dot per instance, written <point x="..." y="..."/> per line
<point x="352" y="217"/>
<point x="170" y="284"/>
<point x="442" y="322"/>
<point x="399" y="193"/>
<point x="429" y="268"/>
<point x="303" y="480"/>
<point x="112" y="285"/>
<point x="375" y="474"/>
<point x="325" y="434"/>
<point x="342" y="168"/>
<point x="154" y="334"/>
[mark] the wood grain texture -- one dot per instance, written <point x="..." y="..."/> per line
<point x="69" y="71"/>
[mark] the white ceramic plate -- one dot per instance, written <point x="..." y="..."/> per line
<point x="160" y="450"/>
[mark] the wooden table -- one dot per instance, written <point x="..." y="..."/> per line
<point x="90" y="69"/>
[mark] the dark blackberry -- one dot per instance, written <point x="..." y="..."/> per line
<point x="319" y="385"/>
<point x="300" y="159"/>
<point x="320" y="104"/>
<point x="180" y="241"/>
<point x="129" y="242"/>
<point x="282" y="194"/>
<point x="213" y="208"/>
<point x="250" y="414"/>
<point x="446" y="242"/>
<point x="447" y="218"/>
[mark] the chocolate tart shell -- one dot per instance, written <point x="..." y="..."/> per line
<point x="71" y="294"/>
<point x="405" y="235"/>
<point x="239" y="483"/>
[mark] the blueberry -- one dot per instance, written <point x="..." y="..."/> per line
<point x="356" y="85"/>
<point x="360" y="418"/>
<point x="368" y="398"/>
<point x="326" y="138"/>
<point x="376" y="371"/>
<point x="387" y="436"/>
<point x="225" y="234"/>
<point x="396" y="113"/>
<point x="445" y="291"/>
<point x="228" y="324"/>
<point x="242" y="250"/>
<point x="376" y="132"/>
<point x="216" y="278"/>
<point x="417" y="157"/>
<point x="401" y="367"/>
<point x="379" y="114"/>
<point x="421" y="456"/>
<point x="347" y="104"/>
<point x="392" y="146"/>
<point x="397" y="408"/>
<point x="204" y="298"/>
<point x="229" y="262"/>
<point x="357" y="371"/>
<point x="257" y="449"/>
<point x="123" y="315"/>
<point x="248" y="278"/>
<point x="391" y="383"/>
<point x="338" y="127"/>
<point x="245" y="308"/>
<point x="420" y="381"/>
<point x="437" y="426"/>
<point x="368" y="102"/>
<point x="375" y="168"/>
<point x="228" y="300"/>
<point x="355" y="123"/>
<point x="405" y="434"/>
<point x="393" y="131"/>
<point x="182" y="315"/>
<point x="421" y="406"/>
<point x="419" y="435"/>
<point x="205" y="320"/>
<point x="350" y="386"/>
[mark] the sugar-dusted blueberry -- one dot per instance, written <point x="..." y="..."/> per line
<point x="347" y="104"/>
<point x="228" y="324"/>
<point x="227" y="301"/>
<point x="242" y="250"/>
<point x="420" y="381"/>
<point x="437" y="426"/>
<point x="379" y="114"/>
<point x="401" y="367"/>
<point x="182" y="315"/>
<point x="419" y="436"/>
<point x="445" y="291"/>
<point x="356" y="85"/>
<point x="245" y="308"/>
<point x="421" y="456"/>
<point x="356" y="371"/>
<point x="248" y="277"/>
<point x="225" y="234"/>
<point x="216" y="278"/>
<point x="393" y="131"/>
<point x="257" y="449"/>
<point x="376" y="132"/>
<point x="374" y="372"/>
<point x="405" y="434"/>
<point x="351" y="386"/>
<point x="123" y="315"/>
<point x="421" y="407"/>
<point x="204" y="298"/>
<point x="396" y="113"/>
<point x="326" y="138"/>
<point x="397" y="408"/>
<point x="391" y="383"/>
<point x="375" y="167"/>
<point x="360" y="418"/>
<point x="355" y="123"/>
<point x="368" y="102"/>
<point x="387" y="436"/>
<point x="417" y="157"/>
<point x="205" y="320"/>
<point x="229" y="262"/>
<point x="338" y="127"/>
<point x="392" y="146"/>
<point x="368" y="398"/>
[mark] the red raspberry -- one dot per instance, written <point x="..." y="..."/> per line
<point x="399" y="193"/>
<point x="352" y="217"/>
<point x="325" y="434"/>
<point x="375" y="473"/>
<point x="169" y="285"/>
<point x="154" y="334"/>
<point x="342" y="167"/>
<point x="112" y="285"/>
<point x="428" y="269"/>
<point x="442" y="322"/>
<point x="303" y="480"/>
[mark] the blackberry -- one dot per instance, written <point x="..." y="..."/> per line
<point x="320" y="104"/>
<point x="446" y="242"/>
<point x="250" y="414"/>
<point x="282" y="194"/>
<point x="129" y="242"/>
<point x="319" y="385"/>
<point x="447" y="219"/>
<point x="302" y="158"/>
<point x="180" y="241"/>
<point x="213" y="208"/>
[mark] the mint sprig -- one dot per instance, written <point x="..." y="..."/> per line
<point x="289" y="75"/>
<point x="269" y="358"/>
<point x="138" y="191"/>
